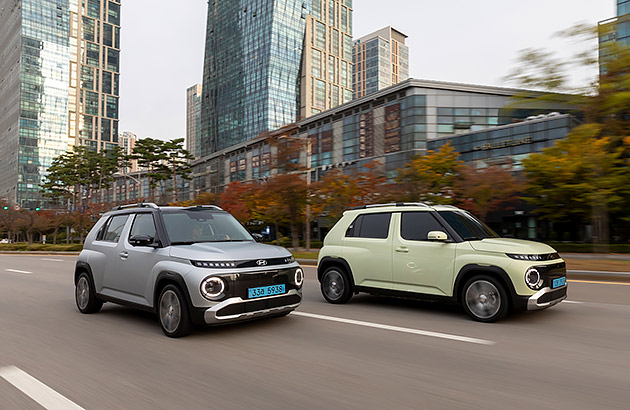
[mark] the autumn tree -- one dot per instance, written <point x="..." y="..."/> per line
<point x="235" y="200"/>
<point x="484" y="190"/>
<point x="430" y="177"/>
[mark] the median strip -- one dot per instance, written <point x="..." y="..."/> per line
<point x="36" y="390"/>
<point x="396" y="328"/>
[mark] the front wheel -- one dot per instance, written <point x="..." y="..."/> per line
<point x="85" y="295"/>
<point x="173" y="312"/>
<point x="485" y="299"/>
<point x="336" y="286"/>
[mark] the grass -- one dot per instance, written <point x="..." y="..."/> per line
<point x="40" y="247"/>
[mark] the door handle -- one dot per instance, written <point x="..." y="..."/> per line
<point x="402" y="249"/>
<point x="123" y="255"/>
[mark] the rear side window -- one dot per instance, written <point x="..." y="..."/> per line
<point x="370" y="226"/>
<point x="113" y="229"/>
<point x="415" y="226"/>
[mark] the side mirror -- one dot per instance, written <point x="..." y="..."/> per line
<point x="142" y="240"/>
<point x="257" y="237"/>
<point x="437" y="236"/>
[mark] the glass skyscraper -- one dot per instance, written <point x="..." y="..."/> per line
<point x="45" y="87"/>
<point x="193" y="117"/>
<point x="256" y="69"/>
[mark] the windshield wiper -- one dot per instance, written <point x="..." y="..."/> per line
<point x="183" y="243"/>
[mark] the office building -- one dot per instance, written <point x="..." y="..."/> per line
<point x="58" y="87"/>
<point x="127" y="142"/>
<point x="381" y="59"/>
<point x="193" y="118"/>
<point x="391" y="126"/>
<point x="267" y="63"/>
<point x="614" y="32"/>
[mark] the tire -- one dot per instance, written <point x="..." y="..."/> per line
<point x="85" y="295"/>
<point x="172" y="311"/>
<point x="485" y="299"/>
<point x="336" y="286"/>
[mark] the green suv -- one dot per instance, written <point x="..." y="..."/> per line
<point x="437" y="252"/>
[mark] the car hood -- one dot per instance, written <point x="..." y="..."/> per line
<point x="508" y="245"/>
<point x="228" y="251"/>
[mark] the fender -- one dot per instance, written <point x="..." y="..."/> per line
<point x="196" y="314"/>
<point x="330" y="260"/>
<point x="82" y="266"/>
<point x="492" y="270"/>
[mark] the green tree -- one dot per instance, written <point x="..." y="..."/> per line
<point x="150" y="154"/>
<point x="177" y="162"/>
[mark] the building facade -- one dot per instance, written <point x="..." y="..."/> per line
<point x="380" y="59"/>
<point x="326" y="80"/>
<point x="193" y="118"/>
<point x="614" y="32"/>
<point x="269" y="62"/>
<point x="127" y="142"/>
<point x="55" y="77"/>
<point x="389" y="127"/>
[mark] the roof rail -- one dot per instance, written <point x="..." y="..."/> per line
<point x="139" y="205"/>
<point x="204" y="206"/>
<point x="393" y="204"/>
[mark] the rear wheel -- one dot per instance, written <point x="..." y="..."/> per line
<point x="85" y="295"/>
<point x="336" y="286"/>
<point x="173" y="312"/>
<point x="485" y="299"/>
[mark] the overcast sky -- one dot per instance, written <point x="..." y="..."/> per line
<point x="464" y="41"/>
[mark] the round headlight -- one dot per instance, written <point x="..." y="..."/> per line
<point x="299" y="277"/>
<point x="533" y="279"/>
<point x="213" y="287"/>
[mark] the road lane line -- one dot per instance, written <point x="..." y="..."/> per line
<point x="397" y="329"/>
<point x="600" y="272"/>
<point x="572" y="301"/>
<point x="36" y="390"/>
<point x="17" y="271"/>
<point x="52" y="260"/>
<point x="599" y="282"/>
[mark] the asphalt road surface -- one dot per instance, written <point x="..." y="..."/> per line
<point x="372" y="353"/>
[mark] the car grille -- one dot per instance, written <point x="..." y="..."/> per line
<point x="243" y="281"/>
<point x="553" y="295"/>
<point x="550" y="272"/>
<point x="256" y="305"/>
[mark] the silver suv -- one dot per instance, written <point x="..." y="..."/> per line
<point x="187" y="264"/>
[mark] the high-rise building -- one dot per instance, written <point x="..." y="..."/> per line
<point x="259" y="72"/>
<point x="614" y="31"/>
<point x="327" y="60"/>
<point x="193" y="118"/>
<point x="94" y="72"/>
<point x="127" y="142"/>
<point x="381" y="59"/>
<point x="58" y="87"/>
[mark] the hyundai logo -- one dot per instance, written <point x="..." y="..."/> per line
<point x="261" y="262"/>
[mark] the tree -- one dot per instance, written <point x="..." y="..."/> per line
<point x="149" y="153"/>
<point x="177" y="162"/>
<point x="431" y="177"/>
<point x="484" y="190"/>
<point x="235" y="200"/>
<point x="335" y="193"/>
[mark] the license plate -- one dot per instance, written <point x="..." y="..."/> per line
<point x="559" y="282"/>
<point x="253" y="293"/>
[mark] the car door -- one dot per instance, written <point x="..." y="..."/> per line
<point x="132" y="269"/>
<point x="367" y="247"/>
<point x="421" y="265"/>
<point x="106" y="250"/>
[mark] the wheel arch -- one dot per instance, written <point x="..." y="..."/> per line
<point x="329" y="261"/>
<point x="495" y="272"/>
<point x="83" y="267"/>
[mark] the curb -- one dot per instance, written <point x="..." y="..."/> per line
<point x="62" y="253"/>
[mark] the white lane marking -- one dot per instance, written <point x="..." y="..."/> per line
<point x="397" y="329"/>
<point x="36" y="390"/>
<point x="17" y="271"/>
<point x="52" y="260"/>
<point x="572" y="301"/>
<point x="603" y="272"/>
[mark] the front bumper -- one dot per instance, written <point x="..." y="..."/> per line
<point x="237" y="309"/>
<point x="546" y="297"/>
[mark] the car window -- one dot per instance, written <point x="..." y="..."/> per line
<point x="415" y="226"/>
<point x="190" y="226"/>
<point x="467" y="226"/>
<point x="143" y="224"/>
<point x="114" y="228"/>
<point x="370" y="226"/>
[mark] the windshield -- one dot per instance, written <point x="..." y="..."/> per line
<point x="467" y="226"/>
<point x="188" y="226"/>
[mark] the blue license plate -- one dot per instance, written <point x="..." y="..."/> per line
<point x="559" y="282"/>
<point x="253" y="293"/>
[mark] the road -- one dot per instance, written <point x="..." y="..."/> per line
<point x="371" y="353"/>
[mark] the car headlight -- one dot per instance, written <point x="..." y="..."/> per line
<point x="299" y="277"/>
<point x="210" y="264"/>
<point x="213" y="287"/>
<point x="534" y="257"/>
<point x="533" y="279"/>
